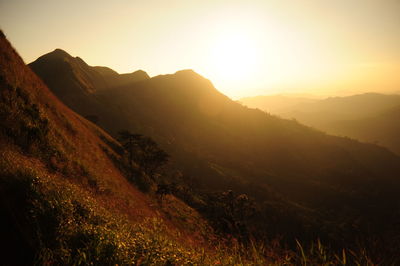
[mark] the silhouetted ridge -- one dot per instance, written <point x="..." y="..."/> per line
<point x="128" y="78"/>
<point x="140" y="74"/>
<point x="183" y="82"/>
<point x="59" y="62"/>
<point x="137" y="75"/>
<point x="105" y="71"/>
<point x="187" y="72"/>
<point x="56" y="54"/>
<point x="63" y="192"/>
<point x="190" y="80"/>
<point x="72" y="79"/>
<point x="370" y="117"/>
<point x="218" y="144"/>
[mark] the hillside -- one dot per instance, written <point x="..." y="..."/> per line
<point x="73" y="80"/>
<point x="305" y="183"/>
<point x="276" y="104"/>
<point x="64" y="201"/>
<point x="369" y="117"/>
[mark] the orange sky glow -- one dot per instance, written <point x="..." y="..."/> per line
<point x="244" y="47"/>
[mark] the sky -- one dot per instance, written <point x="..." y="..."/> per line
<point x="245" y="48"/>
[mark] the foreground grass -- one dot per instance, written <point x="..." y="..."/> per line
<point x="66" y="225"/>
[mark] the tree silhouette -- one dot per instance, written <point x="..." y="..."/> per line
<point x="164" y="189"/>
<point x="144" y="151"/>
<point x="128" y="141"/>
<point x="231" y="212"/>
<point x="151" y="157"/>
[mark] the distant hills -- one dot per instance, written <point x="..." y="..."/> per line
<point x="305" y="183"/>
<point x="73" y="80"/>
<point x="64" y="199"/>
<point x="369" y="117"/>
<point x="242" y="187"/>
<point x="88" y="79"/>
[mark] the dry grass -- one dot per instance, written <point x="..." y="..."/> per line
<point x="72" y="205"/>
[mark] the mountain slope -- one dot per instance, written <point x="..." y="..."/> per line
<point x="276" y="104"/>
<point x="218" y="144"/>
<point x="369" y="117"/>
<point x="72" y="79"/>
<point x="62" y="198"/>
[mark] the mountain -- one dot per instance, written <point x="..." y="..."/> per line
<point x="369" y="117"/>
<point x="276" y="104"/>
<point x="68" y="195"/>
<point x="64" y="199"/>
<point x="305" y="183"/>
<point x="72" y="79"/>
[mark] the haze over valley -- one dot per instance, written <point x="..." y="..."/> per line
<point x="130" y="133"/>
<point x="369" y="117"/>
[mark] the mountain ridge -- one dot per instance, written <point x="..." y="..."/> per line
<point x="250" y="175"/>
<point x="64" y="198"/>
<point x="219" y="144"/>
<point x="99" y="77"/>
<point x="369" y="117"/>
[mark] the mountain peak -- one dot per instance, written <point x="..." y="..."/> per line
<point x="187" y="72"/>
<point x="58" y="50"/>
<point x="141" y="73"/>
<point x="59" y="53"/>
<point x="190" y="74"/>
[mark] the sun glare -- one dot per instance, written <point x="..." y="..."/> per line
<point x="234" y="57"/>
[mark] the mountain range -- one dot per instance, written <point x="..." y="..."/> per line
<point x="369" y="117"/>
<point x="217" y="144"/>
<point x="241" y="185"/>
<point x="63" y="198"/>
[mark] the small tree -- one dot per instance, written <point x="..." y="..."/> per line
<point x="231" y="212"/>
<point x="151" y="157"/>
<point x="144" y="151"/>
<point x="164" y="189"/>
<point x="128" y="141"/>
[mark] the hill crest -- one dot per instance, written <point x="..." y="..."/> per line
<point x="63" y="192"/>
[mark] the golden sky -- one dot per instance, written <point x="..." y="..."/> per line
<point x="244" y="47"/>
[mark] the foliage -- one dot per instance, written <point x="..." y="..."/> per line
<point x="305" y="183"/>
<point x="32" y="127"/>
<point x="69" y="227"/>
<point x="230" y="213"/>
<point x="144" y="151"/>
<point x="56" y="209"/>
<point x="144" y="158"/>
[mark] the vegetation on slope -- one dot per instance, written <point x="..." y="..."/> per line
<point x="304" y="183"/>
<point x="369" y="117"/>
<point x="65" y="202"/>
<point x="52" y="221"/>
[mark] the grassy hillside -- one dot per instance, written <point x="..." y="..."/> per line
<point x="63" y="201"/>
<point x="369" y="117"/>
<point x="73" y="80"/>
<point x="304" y="183"/>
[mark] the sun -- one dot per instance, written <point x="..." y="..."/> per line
<point x="234" y="57"/>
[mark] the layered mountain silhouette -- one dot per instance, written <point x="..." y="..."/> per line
<point x="369" y="117"/>
<point x="63" y="198"/>
<point x="66" y="196"/>
<point x="75" y="80"/>
<point x="217" y="144"/>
